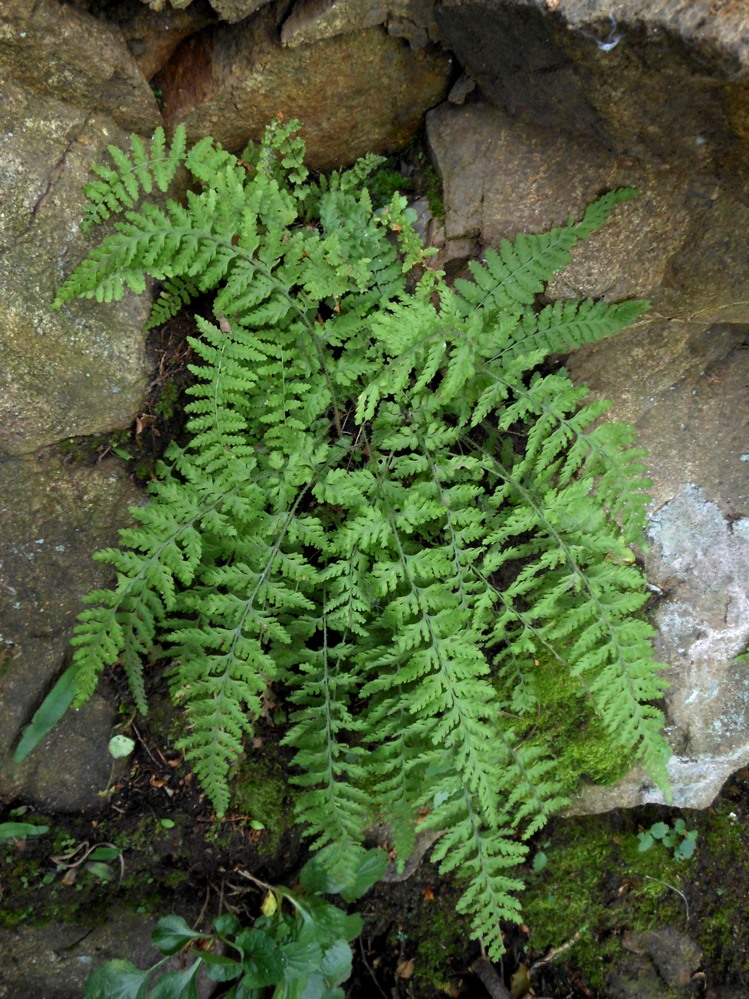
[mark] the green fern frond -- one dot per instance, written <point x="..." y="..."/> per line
<point x="383" y="509"/>
<point x="512" y="277"/>
<point x="147" y="167"/>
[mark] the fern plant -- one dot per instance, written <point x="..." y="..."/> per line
<point x="386" y="508"/>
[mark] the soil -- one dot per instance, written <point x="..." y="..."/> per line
<point x="596" y="885"/>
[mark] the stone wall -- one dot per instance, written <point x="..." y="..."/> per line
<point x="549" y="103"/>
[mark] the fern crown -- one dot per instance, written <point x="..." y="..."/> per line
<point x="387" y="508"/>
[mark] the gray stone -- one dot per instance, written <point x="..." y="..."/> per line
<point x="80" y="370"/>
<point x="679" y="376"/>
<point x="566" y="65"/>
<point x="54" y="516"/>
<point x="312" y="20"/>
<point x="634" y="977"/>
<point x="64" y="53"/>
<point x="675" y="955"/>
<point x="54" y="961"/>
<point x="236" y="10"/>
<point x="684" y="390"/>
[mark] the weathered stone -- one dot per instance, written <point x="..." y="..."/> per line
<point x="231" y="82"/>
<point x="237" y="10"/>
<point x="152" y="36"/>
<point x="502" y="177"/>
<point x="684" y="391"/>
<point x="54" y="516"/>
<point x="596" y="69"/>
<point x="312" y="20"/>
<point x="80" y="370"/>
<point x="675" y="955"/>
<point x="634" y="977"/>
<point x="54" y="961"/>
<point x="63" y="53"/>
<point x="683" y="388"/>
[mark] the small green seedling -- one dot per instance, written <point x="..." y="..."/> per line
<point x="678" y="838"/>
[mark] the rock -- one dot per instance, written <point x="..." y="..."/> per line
<point x="674" y="954"/>
<point x="65" y="54"/>
<point x="598" y="69"/>
<point x="231" y="82"/>
<point x="54" y="961"/>
<point x="684" y="390"/>
<point x="312" y="20"/>
<point x="237" y="10"/>
<point x="152" y="36"/>
<point x="80" y="370"/>
<point x="501" y="177"/>
<point x="54" y="516"/>
<point x="634" y="977"/>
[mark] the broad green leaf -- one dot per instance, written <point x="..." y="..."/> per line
<point x="117" y="980"/>
<point x="48" y="714"/>
<point x="177" y="984"/>
<point x="102" y="871"/>
<point x="302" y="956"/>
<point x="226" y="924"/>
<point x="20" y="830"/>
<point x="373" y="865"/>
<point x="120" y="745"/>
<point x="221" y="968"/>
<point x="171" y="933"/>
<point x="262" y="961"/>
<point x="336" y="963"/>
<point x="105" y="853"/>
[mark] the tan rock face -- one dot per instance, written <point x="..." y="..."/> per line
<point x="80" y="370"/>
<point x="355" y="93"/>
<point x="152" y="36"/>
<point x="61" y="52"/>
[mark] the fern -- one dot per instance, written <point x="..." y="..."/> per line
<point x="384" y="509"/>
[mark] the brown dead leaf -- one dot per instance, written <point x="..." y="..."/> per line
<point x="142" y="423"/>
<point x="405" y="969"/>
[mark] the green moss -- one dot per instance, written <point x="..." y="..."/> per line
<point x="167" y="401"/>
<point x="260" y="792"/>
<point x="385" y="182"/>
<point x="591" y="862"/>
<point x="434" y="193"/>
<point x="566" y="721"/>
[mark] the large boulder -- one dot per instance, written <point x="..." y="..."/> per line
<point x="658" y="79"/>
<point x="66" y="54"/>
<point x="362" y="92"/>
<point x="80" y="370"/>
<point x="55" y="514"/>
<point x="70" y="87"/>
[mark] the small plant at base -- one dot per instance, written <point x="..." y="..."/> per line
<point x="385" y="509"/>
<point x="678" y="838"/>
<point x="298" y="946"/>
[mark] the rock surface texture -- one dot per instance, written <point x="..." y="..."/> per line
<point x="557" y="101"/>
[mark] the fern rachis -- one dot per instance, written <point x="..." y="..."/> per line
<point x="383" y="510"/>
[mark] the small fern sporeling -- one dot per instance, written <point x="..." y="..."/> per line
<point x="386" y="508"/>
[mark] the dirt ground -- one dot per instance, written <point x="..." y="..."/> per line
<point x="589" y="897"/>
